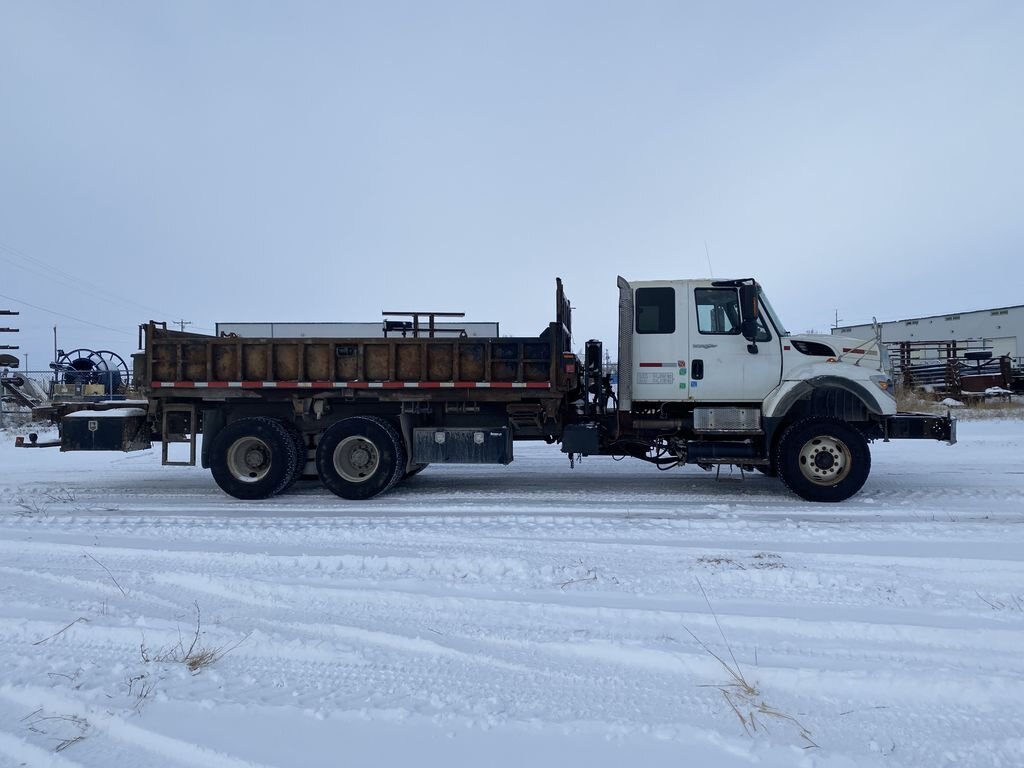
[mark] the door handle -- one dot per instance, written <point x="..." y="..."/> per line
<point x="697" y="369"/>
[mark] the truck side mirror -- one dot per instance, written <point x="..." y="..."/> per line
<point x="748" y="315"/>
<point x="748" y="302"/>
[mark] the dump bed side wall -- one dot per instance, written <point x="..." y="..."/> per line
<point x="173" y="357"/>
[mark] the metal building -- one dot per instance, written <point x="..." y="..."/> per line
<point x="999" y="330"/>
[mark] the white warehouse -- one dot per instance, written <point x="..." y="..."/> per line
<point x="1000" y="330"/>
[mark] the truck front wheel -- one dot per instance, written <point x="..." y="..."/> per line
<point x="253" y="458"/>
<point x="822" y="459"/>
<point x="359" y="457"/>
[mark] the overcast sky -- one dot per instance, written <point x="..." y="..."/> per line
<point x="305" y="161"/>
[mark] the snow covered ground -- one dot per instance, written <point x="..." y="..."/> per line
<point x="516" y="616"/>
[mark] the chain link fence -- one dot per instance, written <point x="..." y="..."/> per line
<point x="20" y="392"/>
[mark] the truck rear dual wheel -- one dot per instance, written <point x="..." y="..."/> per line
<point x="360" y="457"/>
<point x="822" y="459"/>
<point x="301" y="453"/>
<point x="254" y="458"/>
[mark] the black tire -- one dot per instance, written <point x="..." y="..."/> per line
<point x="253" y="458"/>
<point x="360" y="457"/>
<point x="301" y="453"/>
<point x="822" y="459"/>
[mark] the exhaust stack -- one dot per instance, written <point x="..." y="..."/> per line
<point x="625" y="345"/>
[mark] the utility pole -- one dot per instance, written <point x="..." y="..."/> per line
<point x="182" y="323"/>
<point x="836" y="324"/>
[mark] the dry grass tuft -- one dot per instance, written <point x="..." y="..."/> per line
<point x="742" y="696"/>
<point x="63" y="730"/>
<point x="720" y="561"/>
<point x="1011" y="603"/>
<point x="195" y="657"/>
<point x="59" y="632"/>
<point x="768" y="561"/>
<point x="583" y="574"/>
<point x="40" y="503"/>
<point x="140" y="687"/>
<point x="760" y="561"/>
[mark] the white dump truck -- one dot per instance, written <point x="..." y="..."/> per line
<point x="707" y="374"/>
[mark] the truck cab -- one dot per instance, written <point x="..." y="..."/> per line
<point x="688" y="343"/>
<point x="708" y="374"/>
<point x="720" y="341"/>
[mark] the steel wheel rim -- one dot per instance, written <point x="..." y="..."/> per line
<point x="356" y="459"/>
<point x="249" y="459"/>
<point x="824" y="460"/>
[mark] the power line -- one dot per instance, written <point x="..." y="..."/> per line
<point x="75" y="282"/>
<point x="64" y="315"/>
<point x="68" y="276"/>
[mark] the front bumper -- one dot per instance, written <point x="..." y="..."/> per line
<point x="919" y="426"/>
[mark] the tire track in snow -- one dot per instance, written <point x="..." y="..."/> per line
<point x="340" y="679"/>
<point x="391" y="609"/>
<point x="275" y="568"/>
<point x="165" y="747"/>
<point x="877" y="604"/>
<point x="26" y="754"/>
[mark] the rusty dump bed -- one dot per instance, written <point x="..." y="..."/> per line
<point x="175" y="362"/>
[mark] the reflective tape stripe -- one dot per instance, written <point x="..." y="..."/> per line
<point x="351" y="385"/>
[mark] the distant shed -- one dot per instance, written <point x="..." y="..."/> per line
<point x="1000" y="330"/>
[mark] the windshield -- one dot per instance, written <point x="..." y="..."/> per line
<point x="771" y="313"/>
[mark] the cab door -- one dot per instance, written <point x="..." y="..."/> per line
<point x="722" y="368"/>
<point x="660" y="337"/>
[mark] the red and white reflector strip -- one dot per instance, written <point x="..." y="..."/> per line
<point x="351" y="385"/>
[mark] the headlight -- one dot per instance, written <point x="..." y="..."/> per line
<point x="884" y="383"/>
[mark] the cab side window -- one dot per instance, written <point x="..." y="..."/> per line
<point x="718" y="310"/>
<point x="718" y="313"/>
<point x="655" y="310"/>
